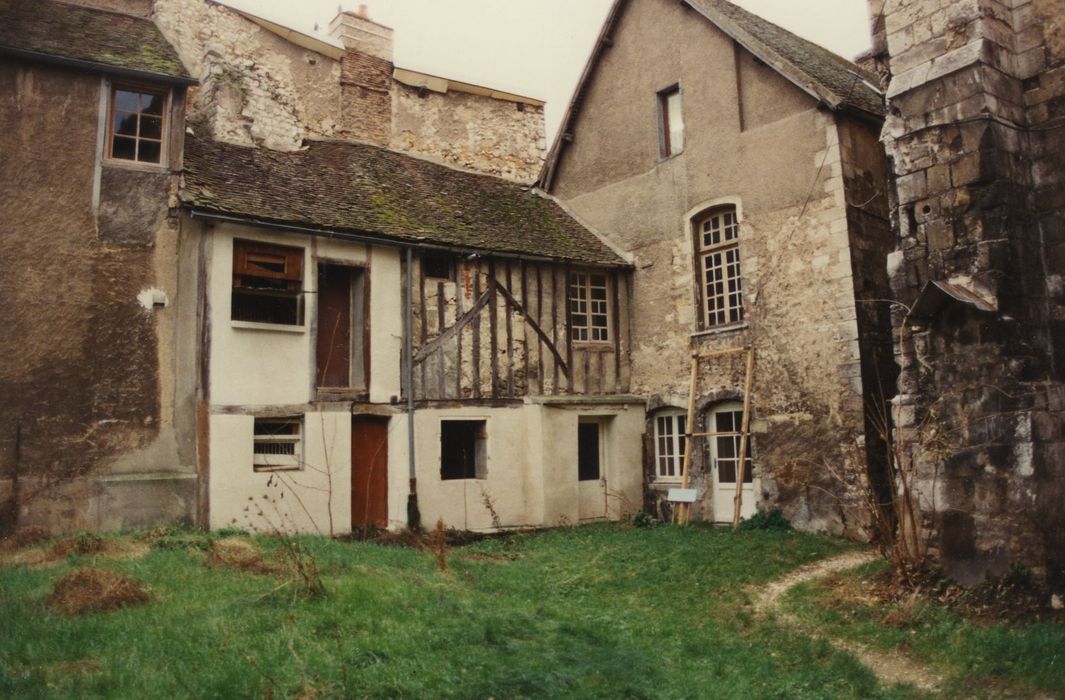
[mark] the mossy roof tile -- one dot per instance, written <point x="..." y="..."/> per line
<point x="359" y="188"/>
<point x="87" y="35"/>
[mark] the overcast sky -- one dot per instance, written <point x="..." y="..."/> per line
<point x="536" y="47"/>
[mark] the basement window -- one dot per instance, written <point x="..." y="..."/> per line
<point x="670" y="122"/>
<point x="277" y="444"/>
<point x="589" y="309"/>
<point x="463" y="452"/>
<point x="137" y="124"/>
<point x="267" y="283"/>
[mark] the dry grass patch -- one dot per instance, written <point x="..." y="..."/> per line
<point x="23" y="538"/>
<point x="89" y="589"/>
<point x="38" y="553"/>
<point x="241" y="554"/>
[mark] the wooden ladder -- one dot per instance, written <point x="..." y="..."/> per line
<point x="682" y="512"/>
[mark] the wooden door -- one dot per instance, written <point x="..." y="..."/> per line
<point x="333" y="352"/>
<point x="369" y="471"/>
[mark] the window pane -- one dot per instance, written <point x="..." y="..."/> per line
<point x="152" y="104"/>
<point x="125" y="148"/>
<point x="152" y="128"/>
<point x="726" y="471"/>
<point x="126" y="101"/>
<point x="149" y="151"/>
<point x="125" y="124"/>
<point x="676" y="122"/>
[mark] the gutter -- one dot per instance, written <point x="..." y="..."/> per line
<point x="94" y="66"/>
<point x="414" y="517"/>
<point x="389" y="242"/>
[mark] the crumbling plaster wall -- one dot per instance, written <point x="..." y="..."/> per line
<point x="783" y="166"/>
<point x="977" y="94"/>
<point x="474" y="132"/>
<point x="87" y="429"/>
<point x="255" y="87"/>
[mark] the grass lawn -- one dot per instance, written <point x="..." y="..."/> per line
<point x="978" y="659"/>
<point x="607" y="611"/>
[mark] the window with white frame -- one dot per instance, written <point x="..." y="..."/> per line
<point x="277" y="444"/>
<point x="726" y="422"/>
<point x="589" y="307"/>
<point x="670" y="443"/>
<point x="717" y="244"/>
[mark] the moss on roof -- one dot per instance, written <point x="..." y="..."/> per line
<point x="365" y="189"/>
<point x="106" y="39"/>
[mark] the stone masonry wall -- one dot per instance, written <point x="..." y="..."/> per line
<point x="977" y="97"/>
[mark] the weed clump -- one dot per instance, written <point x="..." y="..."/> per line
<point x="773" y="520"/>
<point x="85" y="543"/>
<point x="644" y="519"/>
<point x="239" y="554"/>
<point x="89" y="589"/>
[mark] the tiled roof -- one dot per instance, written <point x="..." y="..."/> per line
<point x="359" y="188"/>
<point x="815" y="67"/>
<point x="95" y="38"/>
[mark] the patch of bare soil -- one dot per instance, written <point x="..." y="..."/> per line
<point x="89" y="589"/>
<point x="890" y="667"/>
<point x="241" y="554"/>
<point x="1015" y="598"/>
<point x="40" y="554"/>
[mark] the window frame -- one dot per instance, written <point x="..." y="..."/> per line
<point x="666" y="148"/>
<point x="678" y="443"/>
<point x="588" y="328"/>
<point x="114" y="87"/>
<point x="261" y="460"/>
<point x="480" y="450"/>
<point x="714" y="444"/>
<point x="735" y="314"/>
<point x="245" y="270"/>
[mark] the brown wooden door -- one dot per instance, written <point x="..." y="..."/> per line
<point x="369" y="471"/>
<point x="334" y="326"/>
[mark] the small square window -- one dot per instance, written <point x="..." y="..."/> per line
<point x="137" y="124"/>
<point x="463" y="450"/>
<point x="277" y="444"/>
<point x="267" y="283"/>
<point x="670" y="122"/>
<point x="437" y="265"/>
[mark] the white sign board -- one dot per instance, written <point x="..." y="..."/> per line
<point x="681" y="495"/>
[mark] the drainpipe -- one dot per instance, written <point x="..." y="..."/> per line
<point x="414" y="518"/>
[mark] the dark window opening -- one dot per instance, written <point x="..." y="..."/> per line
<point x="267" y="283"/>
<point x="588" y="467"/>
<point x="276" y="444"/>
<point x="462" y="449"/>
<point x="437" y="265"/>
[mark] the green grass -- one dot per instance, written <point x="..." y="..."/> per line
<point x="593" y="612"/>
<point x="977" y="659"/>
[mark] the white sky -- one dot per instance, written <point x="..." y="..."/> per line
<point x="536" y="47"/>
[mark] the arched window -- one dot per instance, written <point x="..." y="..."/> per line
<point x="717" y="248"/>
<point x="669" y="431"/>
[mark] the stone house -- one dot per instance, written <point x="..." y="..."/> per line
<point x="338" y="288"/>
<point x="738" y="166"/>
<point x="976" y="138"/>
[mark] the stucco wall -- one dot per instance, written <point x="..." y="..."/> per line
<point x="764" y="147"/>
<point x="88" y="378"/>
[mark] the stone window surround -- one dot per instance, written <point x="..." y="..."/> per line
<point x="674" y="416"/>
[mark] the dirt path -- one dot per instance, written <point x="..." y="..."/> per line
<point x="889" y="666"/>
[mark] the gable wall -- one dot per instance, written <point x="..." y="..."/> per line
<point x="797" y="272"/>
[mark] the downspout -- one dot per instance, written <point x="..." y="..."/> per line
<point x="414" y="518"/>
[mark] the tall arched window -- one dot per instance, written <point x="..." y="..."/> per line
<point x="717" y="248"/>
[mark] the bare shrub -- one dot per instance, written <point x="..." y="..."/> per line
<point x="438" y="545"/>
<point x="89" y="589"/>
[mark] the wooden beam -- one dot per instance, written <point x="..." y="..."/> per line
<point x="440" y="321"/>
<point x="510" y="337"/>
<point x="460" y="295"/>
<point x="717" y="353"/>
<point x="523" y="271"/>
<point x="460" y="323"/>
<point x="475" y="328"/>
<point x="493" y="327"/>
<point x="742" y="471"/>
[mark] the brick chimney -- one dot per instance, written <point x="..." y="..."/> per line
<point x="365" y="76"/>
